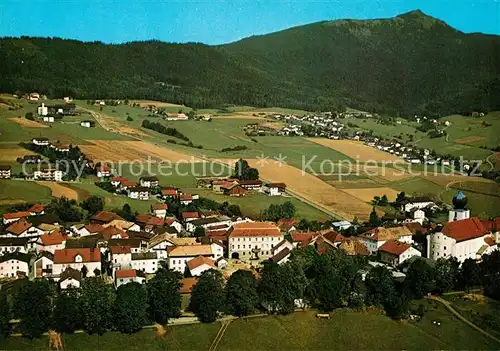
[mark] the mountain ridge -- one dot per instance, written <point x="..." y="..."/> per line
<point x="410" y="63"/>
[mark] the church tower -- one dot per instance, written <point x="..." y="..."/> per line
<point x="459" y="210"/>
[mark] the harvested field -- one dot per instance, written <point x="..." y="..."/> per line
<point x="367" y="194"/>
<point x="469" y="139"/>
<point x="249" y="116"/>
<point x="383" y="174"/>
<point x="112" y="124"/>
<point x="127" y="151"/>
<point x="13" y="154"/>
<point x="28" y="123"/>
<point x="145" y="103"/>
<point x="273" y="125"/>
<point x="356" y="150"/>
<point x="449" y="180"/>
<point x="60" y="190"/>
<point x="312" y="189"/>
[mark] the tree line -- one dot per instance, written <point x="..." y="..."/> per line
<point x="326" y="282"/>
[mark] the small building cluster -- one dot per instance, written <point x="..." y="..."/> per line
<point x="236" y="187"/>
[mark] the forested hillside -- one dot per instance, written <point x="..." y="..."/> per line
<point x="409" y="64"/>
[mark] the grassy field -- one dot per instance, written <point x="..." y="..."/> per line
<point x="346" y="330"/>
<point x="23" y="190"/>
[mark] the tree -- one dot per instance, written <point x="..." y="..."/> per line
<point x="33" y="306"/>
<point x="66" y="209"/>
<point x="379" y="286"/>
<point x="93" y="204"/>
<point x="129" y="119"/>
<point x="67" y="312"/>
<point x="84" y="271"/>
<point x="96" y="302"/>
<point x="208" y="296"/>
<point x="163" y="295"/>
<point x="29" y="115"/>
<point x="241" y="293"/>
<point x="126" y="213"/>
<point x="130" y="308"/>
<point x="419" y="279"/>
<point x="383" y="200"/>
<point x="374" y="221"/>
<point x="244" y="172"/>
<point x="4" y="315"/>
<point x="397" y="306"/>
<point x="199" y="232"/>
<point x="278" y="287"/>
<point x="469" y="274"/>
<point x="446" y="273"/>
<point x="287" y="210"/>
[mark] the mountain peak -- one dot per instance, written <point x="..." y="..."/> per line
<point x="414" y="13"/>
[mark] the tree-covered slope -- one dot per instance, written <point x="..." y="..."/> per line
<point x="412" y="63"/>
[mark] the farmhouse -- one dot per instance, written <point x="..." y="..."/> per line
<point x="40" y="141"/>
<point x="104" y="217"/>
<point x="77" y="259"/>
<point x="199" y="265"/>
<point x="234" y="190"/>
<point x="417" y="202"/>
<point x="274" y="189"/>
<point x="102" y="170"/>
<point x="36" y="210"/>
<point x="5" y="172"/>
<point x="22" y="228"/>
<point x="190" y="215"/>
<point x="48" y="172"/>
<point x="176" y="117"/>
<point x="159" y="210"/>
<point x="178" y="256"/>
<point x="14" y="265"/>
<point x="253" y="240"/>
<point x="395" y="252"/>
<point x="149" y="182"/>
<point x="52" y="241"/>
<point x="87" y="124"/>
<point x="125" y="276"/>
<point x="377" y="237"/>
<point x="251" y="184"/>
<point x="14" y="216"/>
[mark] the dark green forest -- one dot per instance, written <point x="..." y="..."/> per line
<point x="409" y="64"/>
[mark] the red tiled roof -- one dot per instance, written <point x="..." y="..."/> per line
<point x="126" y="273"/>
<point x="303" y="238"/>
<point x="128" y="183"/>
<point x="94" y="228"/>
<point x="15" y="215"/>
<point x="155" y="221"/>
<point x="120" y="250"/>
<point x="160" y="207"/>
<point x="353" y="246"/>
<point x="108" y="232"/>
<point x="490" y="241"/>
<point x="105" y="216"/>
<point x="199" y="261"/>
<point x="254" y="229"/>
<point x="492" y="225"/>
<point x="118" y="179"/>
<point x="333" y="236"/>
<point x="276" y="185"/>
<point x="19" y="226"/>
<point x="190" y="214"/>
<point x="186" y="197"/>
<point x="286" y="224"/>
<point x="37" y="208"/>
<point x="187" y="285"/>
<point x="250" y="182"/>
<point x="143" y="218"/>
<point x="169" y="192"/>
<point x="464" y="229"/>
<point x="68" y="255"/>
<point x="57" y="237"/>
<point x="394" y="247"/>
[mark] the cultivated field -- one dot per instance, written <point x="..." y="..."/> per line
<point x="60" y="189"/>
<point x="28" y="123"/>
<point x="13" y="154"/>
<point x="314" y="189"/>
<point x="114" y="125"/>
<point x="15" y="190"/>
<point x="367" y="194"/>
<point x="145" y="103"/>
<point x="127" y="151"/>
<point x="357" y="150"/>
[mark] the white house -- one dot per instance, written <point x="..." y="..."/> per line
<point x="419" y="203"/>
<point x="140" y="193"/>
<point x="14" y="216"/>
<point x="199" y="265"/>
<point x="274" y="189"/>
<point x="70" y="278"/>
<point x="48" y="173"/>
<point x="462" y="239"/>
<point x="42" y="110"/>
<point x="40" y="141"/>
<point x="395" y="252"/>
<point x="121" y="257"/>
<point x="417" y="215"/>
<point x="253" y="240"/>
<point x="43" y="265"/>
<point x="22" y="229"/>
<point x="48" y="119"/>
<point x="159" y="210"/>
<point x="13" y="245"/>
<point x="149" y="182"/>
<point x="51" y="242"/>
<point x="76" y="259"/>
<point x="179" y="255"/>
<point x="125" y="276"/>
<point x="87" y="124"/>
<point x="81" y="230"/>
<point x="13" y="265"/>
<point x="176" y="117"/>
<point x="146" y="262"/>
<point x="377" y="237"/>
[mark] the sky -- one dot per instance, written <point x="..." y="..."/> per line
<point x="217" y="22"/>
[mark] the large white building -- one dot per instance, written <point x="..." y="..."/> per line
<point x="76" y="259"/>
<point x="178" y="256"/>
<point x="462" y="237"/>
<point x="12" y="265"/>
<point x="253" y="240"/>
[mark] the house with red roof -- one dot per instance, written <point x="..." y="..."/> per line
<point x="253" y="240"/>
<point x="22" y="229"/>
<point x="14" y="216"/>
<point x="52" y="241"/>
<point x="395" y="252"/>
<point x="199" y="265"/>
<point x="125" y="276"/>
<point x="76" y="259"/>
<point x="36" y="210"/>
<point x="190" y="215"/>
<point x="159" y="210"/>
<point x="462" y="239"/>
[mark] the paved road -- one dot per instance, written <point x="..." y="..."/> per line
<point x="462" y="318"/>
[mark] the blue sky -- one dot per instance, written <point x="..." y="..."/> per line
<point x="217" y="22"/>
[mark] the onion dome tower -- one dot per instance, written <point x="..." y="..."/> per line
<point x="459" y="210"/>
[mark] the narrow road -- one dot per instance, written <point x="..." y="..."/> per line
<point x="219" y="335"/>
<point x="462" y="318"/>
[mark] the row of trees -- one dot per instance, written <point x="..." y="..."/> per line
<point x="276" y="212"/>
<point x="329" y="281"/>
<point x="160" y="128"/>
